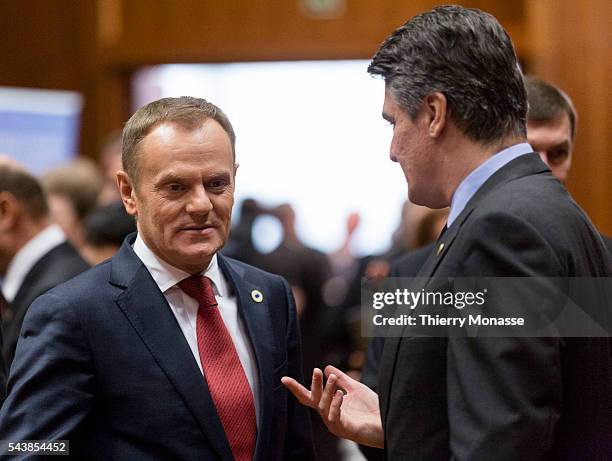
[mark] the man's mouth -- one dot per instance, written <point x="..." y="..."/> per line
<point x="197" y="229"/>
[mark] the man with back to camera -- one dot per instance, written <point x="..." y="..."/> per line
<point x="168" y="350"/>
<point x="456" y="99"/>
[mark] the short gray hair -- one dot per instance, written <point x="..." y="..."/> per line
<point x="186" y="111"/>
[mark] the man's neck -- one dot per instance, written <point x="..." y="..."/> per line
<point x="27" y="230"/>
<point x="472" y="155"/>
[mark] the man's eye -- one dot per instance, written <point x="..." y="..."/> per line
<point x="557" y="156"/>
<point x="217" y="184"/>
<point x="175" y="187"/>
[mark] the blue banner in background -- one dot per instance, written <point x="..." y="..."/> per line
<point x="39" y="128"/>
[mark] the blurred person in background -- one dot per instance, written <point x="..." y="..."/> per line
<point x="306" y="270"/>
<point x="240" y="244"/>
<point x="552" y="123"/>
<point x="72" y="193"/>
<point x="110" y="163"/>
<point x="405" y="240"/>
<point x="105" y="230"/>
<point x="35" y="255"/>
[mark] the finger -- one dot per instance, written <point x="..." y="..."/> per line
<point x="328" y="394"/>
<point x="343" y="380"/>
<point x="299" y="391"/>
<point x="316" y="387"/>
<point x="335" y="407"/>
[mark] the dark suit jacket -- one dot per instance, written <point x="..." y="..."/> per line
<point x="608" y="242"/>
<point x="407" y="265"/>
<point x="102" y="362"/>
<point x="58" y="265"/>
<point x="505" y="398"/>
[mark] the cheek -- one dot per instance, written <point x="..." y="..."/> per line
<point x="396" y="144"/>
<point x="223" y="207"/>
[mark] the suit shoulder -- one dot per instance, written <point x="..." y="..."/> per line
<point x="252" y="271"/>
<point x="536" y="197"/>
<point x="89" y="284"/>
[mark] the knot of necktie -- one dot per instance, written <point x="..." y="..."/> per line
<point x="199" y="288"/>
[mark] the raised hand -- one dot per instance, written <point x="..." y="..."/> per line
<point x="353" y="414"/>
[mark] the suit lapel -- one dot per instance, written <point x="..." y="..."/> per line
<point x="392" y="345"/>
<point x="256" y="318"/>
<point x="150" y="315"/>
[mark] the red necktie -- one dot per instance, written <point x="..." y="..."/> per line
<point x="224" y="374"/>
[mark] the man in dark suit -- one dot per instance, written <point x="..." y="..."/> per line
<point x="456" y="99"/>
<point x="34" y="254"/>
<point x="168" y="350"/>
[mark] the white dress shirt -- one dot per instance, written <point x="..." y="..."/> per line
<point x="28" y="256"/>
<point x="185" y="309"/>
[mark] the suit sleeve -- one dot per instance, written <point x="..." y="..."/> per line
<point x="50" y="387"/>
<point x="298" y="441"/>
<point x="504" y="394"/>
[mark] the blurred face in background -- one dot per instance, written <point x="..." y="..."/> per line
<point x="63" y="213"/>
<point x="553" y="141"/>
<point x="184" y="193"/>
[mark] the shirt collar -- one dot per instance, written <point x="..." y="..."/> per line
<point x="25" y="259"/>
<point x="167" y="276"/>
<point x="472" y="182"/>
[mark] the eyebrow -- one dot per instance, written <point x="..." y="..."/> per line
<point x="168" y="177"/>
<point x="172" y="176"/>
<point x="566" y="144"/>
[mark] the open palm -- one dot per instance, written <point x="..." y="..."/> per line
<point x="353" y="414"/>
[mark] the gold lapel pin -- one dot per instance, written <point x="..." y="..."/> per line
<point x="440" y="249"/>
<point x="257" y="296"/>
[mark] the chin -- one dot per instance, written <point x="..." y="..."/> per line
<point x="418" y="198"/>
<point x="428" y="198"/>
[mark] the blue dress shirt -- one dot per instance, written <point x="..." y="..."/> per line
<point x="472" y="182"/>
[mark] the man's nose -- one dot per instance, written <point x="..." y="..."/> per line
<point x="199" y="202"/>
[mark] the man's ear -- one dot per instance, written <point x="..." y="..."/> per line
<point x="236" y="165"/>
<point x="9" y="211"/>
<point x="436" y="108"/>
<point x="128" y="192"/>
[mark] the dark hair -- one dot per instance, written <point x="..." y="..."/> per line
<point x="185" y="111"/>
<point x="25" y="188"/>
<point x="547" y="103"/>
<point x="465" y="54"/>
<point x="109" y="225"/>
